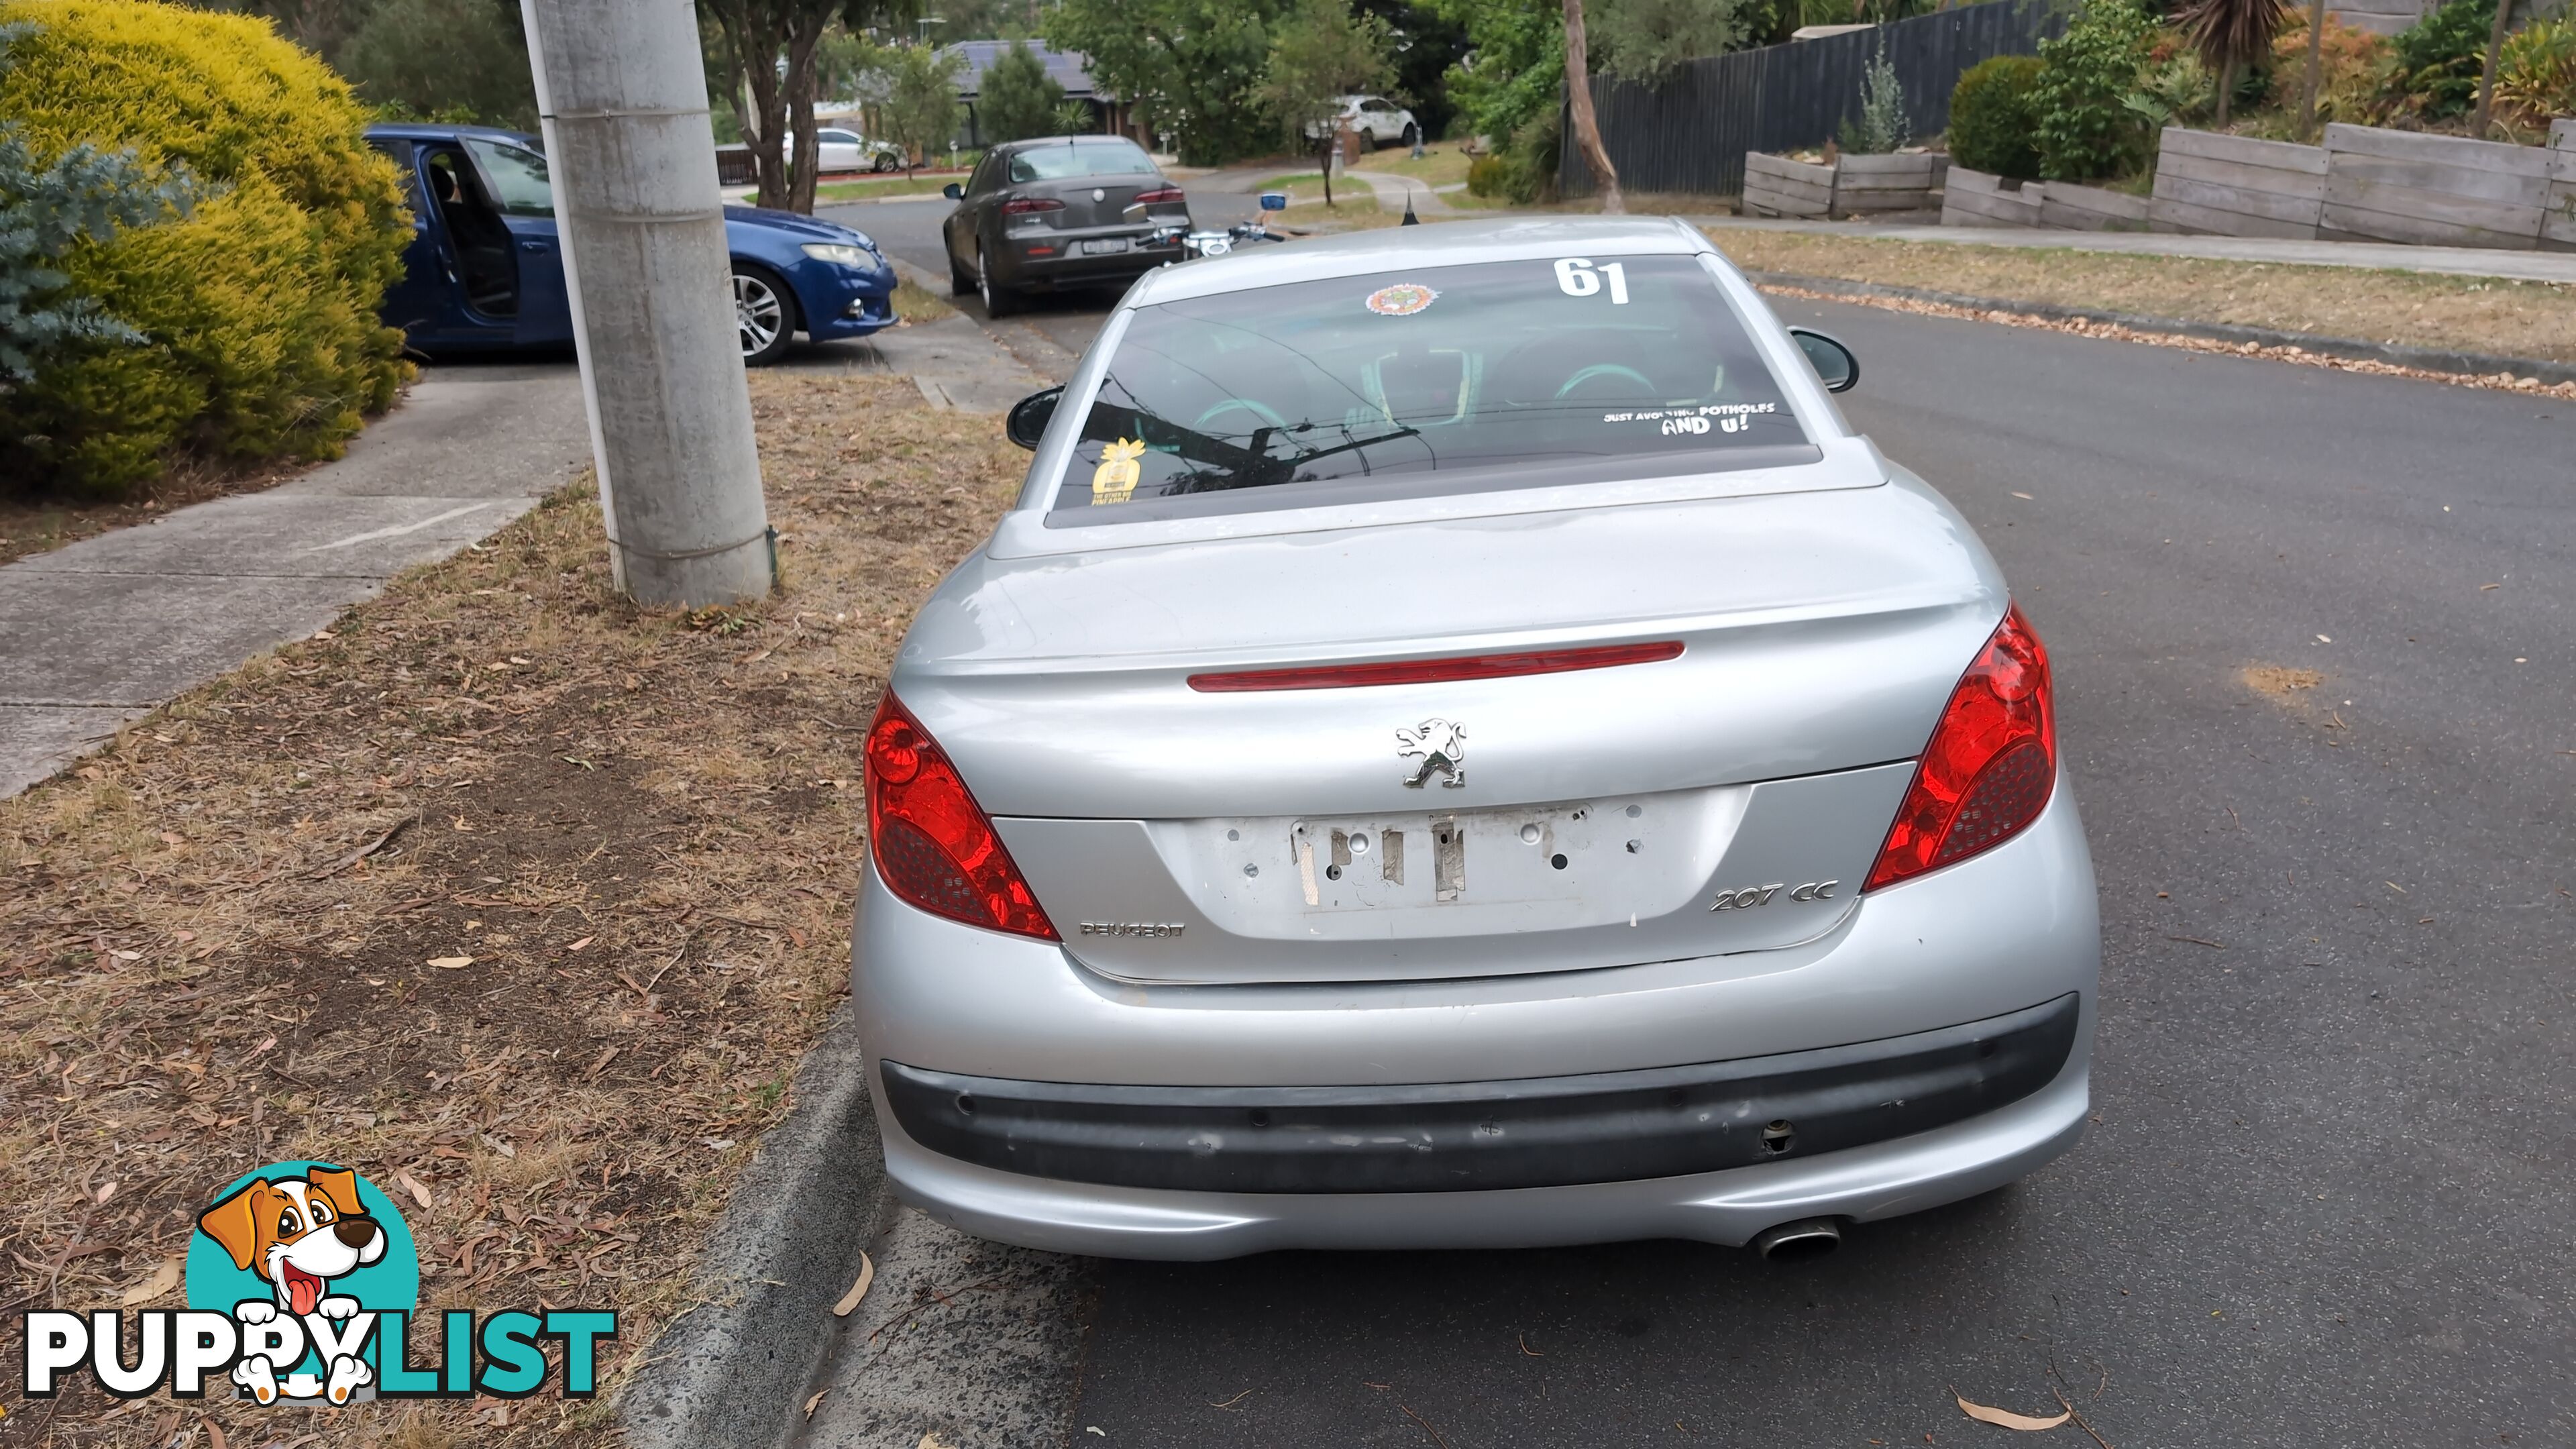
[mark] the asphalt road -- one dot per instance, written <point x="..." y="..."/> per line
<point x="2328" y="1196"/>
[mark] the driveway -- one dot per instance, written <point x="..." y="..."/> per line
<point x="2313" y="632"/>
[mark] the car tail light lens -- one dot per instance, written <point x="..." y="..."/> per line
<point x="1161" y="196"/>
<point x="935" y="847"/>
<point x="1990" y="765"/>
<point x="1028" y="205"/>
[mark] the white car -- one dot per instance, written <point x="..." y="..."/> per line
<point x="1383" y="121"/>
<point x="841" y="149"/>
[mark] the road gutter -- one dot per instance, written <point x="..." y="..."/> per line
<point x="2421" y="359"/>
<point x="731" y="1371"/>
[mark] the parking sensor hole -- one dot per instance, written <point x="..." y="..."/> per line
<point x="1985" y="1049"/>
<point x="1557" y="860"/>
<point x="966" y="1103"/>
<point x="1777" y="1138"/>
<point x="1260" y="1116"/>
<point x="1636" y="810"/>
<point x="1676" y="1097"/>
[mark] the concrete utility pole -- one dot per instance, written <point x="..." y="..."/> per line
<point x="623" y="93"/>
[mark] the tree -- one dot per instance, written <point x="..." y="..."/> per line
<point x="1587" y="127"/>
<point x="1320" y="53"/>
<point x="1189" y="65"/>
<point x="769" y="53"/>
<point x="461" y="59"/>
<point x="2229" y="32"/>
<point x="1643" y="40"/>
<point x="1016" y="97"/>
<point x="921" y="108"/>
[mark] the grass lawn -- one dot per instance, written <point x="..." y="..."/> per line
<point x="2513" y="319"/>
<point x="519" y="900"/>
<point x="827" y="192"/>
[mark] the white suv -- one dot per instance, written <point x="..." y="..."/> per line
<point x="1383" y="121"/>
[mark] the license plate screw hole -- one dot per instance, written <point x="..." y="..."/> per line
<point x="1250" y="869"/>
<point x="1635" y="845"/>
<point x="1557" y="860"/>
<point x="1777" y="1137"/>
<point x="1332" y="872"/>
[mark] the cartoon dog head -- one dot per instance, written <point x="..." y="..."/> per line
<point x="298" y="1233"/>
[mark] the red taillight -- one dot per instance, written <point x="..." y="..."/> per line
<point x="935" y="846"/>
<point x="1161" y="196"/>
<point x="1436" y="671"/>
<point x="1027" y="204"/>
<point x="1990" y="765"/>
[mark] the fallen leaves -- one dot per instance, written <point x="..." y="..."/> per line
<point x="451" y="963"/>
<point x="159" y="1281"/>
<point x="858" y="1290"/>
<point x="817" y="1399"/>
<point x="2006" y="1418"/>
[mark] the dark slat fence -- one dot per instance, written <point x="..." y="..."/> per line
<point x="1690" y="133"/>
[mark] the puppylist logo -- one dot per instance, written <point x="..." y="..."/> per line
<point x="302" y="1283"/>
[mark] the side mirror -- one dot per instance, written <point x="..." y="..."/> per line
<point x="953" y="191"/>
<point x="1028" y="418"/>
<point x="1834" y="364"/>
<point x="1274" y="201"/>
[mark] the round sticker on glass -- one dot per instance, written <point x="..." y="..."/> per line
<point x="1401" y="300"/>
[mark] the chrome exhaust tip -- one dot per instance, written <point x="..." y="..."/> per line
<point x="1805" y="1239"/>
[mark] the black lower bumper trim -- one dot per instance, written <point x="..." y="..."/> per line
<point x="1458" y="1136"/>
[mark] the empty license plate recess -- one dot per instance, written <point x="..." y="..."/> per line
<point x="1547" y="866"/>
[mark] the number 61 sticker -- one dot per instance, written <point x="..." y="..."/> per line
<point x="1575" y="277"/>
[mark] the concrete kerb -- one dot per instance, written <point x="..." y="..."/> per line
<point x="2428" y="359"/>
<point x="731" y="1371"/>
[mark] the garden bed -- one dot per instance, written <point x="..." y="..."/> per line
<point x="1844" y="185"/>
<point x="639" y="833"/>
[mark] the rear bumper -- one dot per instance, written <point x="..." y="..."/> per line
<point x="1068" y="265"/>
<point x="1983" y="939"/>
<point x="1476" y="1136"/>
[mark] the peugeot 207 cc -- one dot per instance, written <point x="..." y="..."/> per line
<point x="1459" y="743"/>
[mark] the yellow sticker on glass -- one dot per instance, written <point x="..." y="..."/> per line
<point x="1114" y="481"/>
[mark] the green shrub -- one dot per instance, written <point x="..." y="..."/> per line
<point x="2537" y="72"/>
<point x="2440" y="57"/>
<point x="1879" y="127"/>
<point x="259" y="309"/>
<point x="1523" y="171"/>
<point x="2083" y="126"/>
<point x="1991" y="117"/>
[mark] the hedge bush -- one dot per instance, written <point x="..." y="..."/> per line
<point x="2084" y="126"/>
<point x="259" y="309"/>
<point x="2442" y="56"/>
<point x="1991" y="117"/>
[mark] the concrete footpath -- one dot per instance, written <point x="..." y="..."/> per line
<point x="2386" y="256"/>
<point x="101" y="632"/>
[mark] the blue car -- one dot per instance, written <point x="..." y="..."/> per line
<point x="485" y="272"/>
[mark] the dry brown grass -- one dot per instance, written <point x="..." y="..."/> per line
<point x="914" y="302"/>
<point x="2507" y="318"/>
<point x="644" y="828"/>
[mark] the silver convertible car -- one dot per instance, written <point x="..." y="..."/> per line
<point x="1460" y="744"/>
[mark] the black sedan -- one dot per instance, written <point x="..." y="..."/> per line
<point x="1062" y="211"/>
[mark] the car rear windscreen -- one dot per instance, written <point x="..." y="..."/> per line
<point x="1426" y="380"/>
<point x="1080" y="158"/>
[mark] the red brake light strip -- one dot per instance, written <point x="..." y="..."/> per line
<point x="1436" y="671"/>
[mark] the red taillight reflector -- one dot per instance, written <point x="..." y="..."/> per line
<point x="1436" y="671"/>
<point x="935" y="847"/>
<point x="1990" y="765"/>
<point x="1160" y="196"/>
<point x="1026" y="204"/>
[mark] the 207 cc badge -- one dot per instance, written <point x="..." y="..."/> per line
<point x="1442" y="746"/>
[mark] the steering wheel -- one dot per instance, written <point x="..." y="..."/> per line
<point x="1605" y="369"/>
<point x="1263" y="412"/>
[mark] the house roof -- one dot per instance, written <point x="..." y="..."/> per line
<point x="1068" y="69"/>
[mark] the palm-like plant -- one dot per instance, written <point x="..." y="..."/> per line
<point x="2226" y="32"/>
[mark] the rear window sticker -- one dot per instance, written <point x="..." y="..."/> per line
<point x="1402" y="299"/>
<point x="1114" y="481"/>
